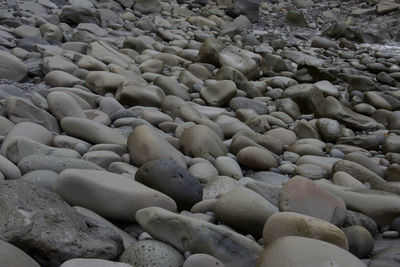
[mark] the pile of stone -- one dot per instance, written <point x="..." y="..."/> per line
<point x="164" y="133"/>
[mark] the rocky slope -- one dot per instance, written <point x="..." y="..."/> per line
<point x="199" y="133"/>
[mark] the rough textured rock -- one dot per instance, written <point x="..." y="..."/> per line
<point x="188" y="234"/>
<point x="42" y="224"/>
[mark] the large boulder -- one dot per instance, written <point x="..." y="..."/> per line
<point x="43" y="225"/>
<point x="197" y="236"/>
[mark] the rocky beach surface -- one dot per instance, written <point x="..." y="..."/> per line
<point x="199" y="133"/>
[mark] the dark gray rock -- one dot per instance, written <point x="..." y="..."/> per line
<point x="249" y="8"/>
<point x="243" y="103"/>
<point x="43" y="225"/>
<point x="166" y="176"/>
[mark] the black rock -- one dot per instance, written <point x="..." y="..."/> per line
<point x="76" y="15"/>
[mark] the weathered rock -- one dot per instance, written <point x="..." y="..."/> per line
<point x="166" y="176"/>
<point x="239" y="61"/>
<point x="296" y="224"/>
<point x="102" y="82"/>
<point x="196" y="236"/>
<point x="218" y="93"/>
<point x="247" y="8"/>
<point x="92" y="263"/>
<point x="121" y="196"/>
<point x="256" y="158"/>
<point x="132" y="93"/>
<point x="63" y="105"/>
<point x="145" y="145"/>
<point x="76" y="15"/>
<point x="42" y="224"/>
<point x="202" y="260"/>
<point x="229" y="167"/>
<point x="305" y="252"/>
<point x="8" y="169"/>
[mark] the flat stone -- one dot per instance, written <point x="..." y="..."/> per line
<point x="121" y="197"/>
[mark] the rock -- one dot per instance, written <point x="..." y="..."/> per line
<point x="8" y="169"/>
<point x="166" y="176"/>
<point x="391" y="144"/>
<point x="229" y="167"/>
<point x="92" y="263"/>
<point x="75" y="15"/>
<point x="201" y="141"/>
<point x="256" y="158"/>
<point x="145" y="145"/>
<point x="171" y="87"/>
<point x="305" y="252"/>
<point x="239" y="61"/>
<point x="59" y="78"/>
<point x="56" y="164"/>
<point x="354" y="218"/>
<point x="294" y="224"/>
<point x="63" y="105"/>
<point x="204" y="171"/>
<point x="51" y="32"/>
<point x="41" y="178"/>
<point x="244" y="210"/>
<point x="20" y="110"/>
<point x="196" y="236"/>
<point x="92" y="131"/>
<point x="296" y="195"/>
<point x="311" y="171"/>
<point x="380" y="206"/>
<point x="101" y="158"/>
<point x="244" y="103"/>
<point x="218" y="93"/>
<point x="21" y="147"/>
<point x="330" y="130"/>
<point x="15" y="71"/>
<point x="247" y="8"/>
<point x="29" y="130"/>
<point x="79" y="187"/>
<point x="360" y="240"/>
<point x="345" y="179"/>
<point x="321" y="42"/>
<point x="385" y="7"/>
<point x="364" y="175"/>
<point x="296" y="18"/>
<point x="147" y="7"/>
<point x="132" y="93"/>
<point x="12" y="256"/>
<point x="44" y="225"/>
<point x="202" y="260"/>
<point x="151" y="253"/>
<point x="102" y="82"/>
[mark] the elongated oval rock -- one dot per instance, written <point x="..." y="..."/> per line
<point x="296" y="224"/>
<point x="63" y="105"/>
<point x="306" y="252"/>
<point x="197" y="236"/>
<point x="91" y="131"/>
<point x="8" y="169"/>
<point x="110" y="195"/>
<point x="145" y="145"/>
